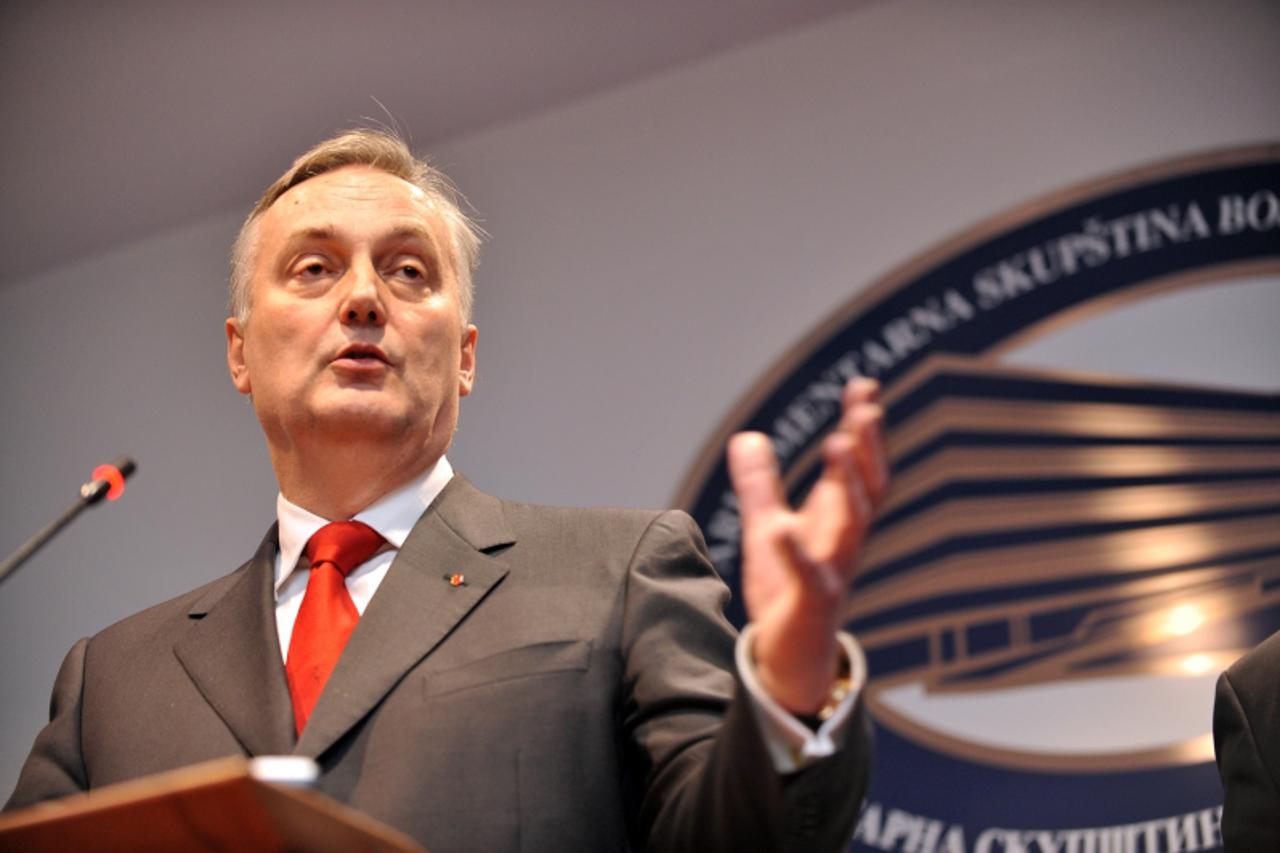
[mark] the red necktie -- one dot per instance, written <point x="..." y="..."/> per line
<point x="327" y="615"/>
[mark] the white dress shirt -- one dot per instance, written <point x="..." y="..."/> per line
<point x="791" y="743"/>
<point x="393" y="516"/>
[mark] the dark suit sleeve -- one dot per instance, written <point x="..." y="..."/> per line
<point x="705" y="777"/>
<point x="55" y="767"/>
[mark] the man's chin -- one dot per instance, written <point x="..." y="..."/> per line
<point x="358" y="419"/>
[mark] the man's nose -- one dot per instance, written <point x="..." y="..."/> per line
<point x="362" y="299"/>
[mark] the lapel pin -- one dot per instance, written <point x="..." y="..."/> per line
<point x="456" y="579"/>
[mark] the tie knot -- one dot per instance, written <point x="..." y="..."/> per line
<point x="345" y="544"/>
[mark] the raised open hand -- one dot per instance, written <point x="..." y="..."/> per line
<point x="797" y="564"/>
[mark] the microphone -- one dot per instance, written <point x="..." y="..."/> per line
<point x="106" y="481"/>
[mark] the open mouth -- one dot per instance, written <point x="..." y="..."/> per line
<point x="364" y="354"/>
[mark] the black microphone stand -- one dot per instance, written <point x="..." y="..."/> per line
<point x="91" y="493"/>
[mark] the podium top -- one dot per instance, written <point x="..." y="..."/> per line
<point x="214" y="806"/>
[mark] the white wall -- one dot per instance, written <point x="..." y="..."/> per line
<point x="653" y="250"/>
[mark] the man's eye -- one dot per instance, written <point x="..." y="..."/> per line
<point x="410" y="271"/>
<point x="310" y="269"/>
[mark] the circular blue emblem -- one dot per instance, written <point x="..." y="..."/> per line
<point x="1066" y="559"/>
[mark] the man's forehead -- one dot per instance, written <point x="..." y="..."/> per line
<point x="350" y="196"/>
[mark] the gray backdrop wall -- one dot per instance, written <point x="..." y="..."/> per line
<point x="653" y="250"/>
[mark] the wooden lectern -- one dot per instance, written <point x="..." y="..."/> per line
<point x="220" y="805"/>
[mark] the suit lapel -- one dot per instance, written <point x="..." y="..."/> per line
<point x="415" y="608"/>
<point x="232" y="653"/>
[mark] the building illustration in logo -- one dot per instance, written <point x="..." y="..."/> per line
<point x="1067" y="558"/>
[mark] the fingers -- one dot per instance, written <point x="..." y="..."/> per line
<point x="870" y="452"/>
<point x="860" y="390"/>
<point x="837" y="510"/>
<point x="753" y="470"/>
<point x="854" y="478"/>
<point x="822" y="540"/>
<point x="863" y="419"/>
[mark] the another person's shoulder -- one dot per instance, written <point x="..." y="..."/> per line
<point x="1261" y="665"/>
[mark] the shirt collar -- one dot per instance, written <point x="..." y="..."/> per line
<point x="392" y="515"/>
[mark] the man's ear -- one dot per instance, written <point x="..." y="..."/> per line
<point x="235" y="356"/>
<point x="467" y="363"/>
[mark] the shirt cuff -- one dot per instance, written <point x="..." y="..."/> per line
<point x="791" y="744"/>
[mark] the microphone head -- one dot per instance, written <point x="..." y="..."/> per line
<point x="125" y="465"/>
<point x="108" y="480"/>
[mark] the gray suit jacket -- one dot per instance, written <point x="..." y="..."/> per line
<point x="1246" y="741"/>
<point x="573" y="694"/>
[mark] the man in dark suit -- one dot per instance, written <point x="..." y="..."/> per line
<point x="1246" y="741"/>
<point x="524" y="677"/>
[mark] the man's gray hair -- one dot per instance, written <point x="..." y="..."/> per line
<point x="380" y="150"/>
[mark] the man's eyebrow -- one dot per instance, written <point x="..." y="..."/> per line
<point x="328" y="233"/>
<point x="412" y="232"/>
<point x="308" y="235"/>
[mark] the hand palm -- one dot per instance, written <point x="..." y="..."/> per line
<point x="797" y="564"/>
